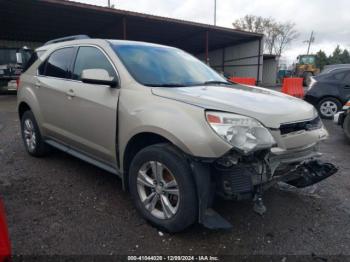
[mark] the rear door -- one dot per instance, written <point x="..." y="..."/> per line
<point x="93" y="108"/>
<point x="52" y="84"/>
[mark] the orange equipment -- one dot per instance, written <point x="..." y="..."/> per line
<point x="293" y="87"/>
<point x="243" y="80"/>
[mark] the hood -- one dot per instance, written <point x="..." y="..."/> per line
<point x="271" y="108"/>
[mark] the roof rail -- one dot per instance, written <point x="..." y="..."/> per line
<point x="67" y="38"/>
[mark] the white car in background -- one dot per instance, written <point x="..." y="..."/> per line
<point x="342" y="118"/>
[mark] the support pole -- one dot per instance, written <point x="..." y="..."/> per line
<point x="124" y="28"/>
<point x="214" y="12"/>
<point x="310" y="41"/>
<point x="259" y="62"/>
<point x="207" y="47"/>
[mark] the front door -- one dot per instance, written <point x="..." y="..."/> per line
<point x="93" y="108"/>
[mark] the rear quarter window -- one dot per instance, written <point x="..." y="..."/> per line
<point x="31" y="61"/>
<point x="58" y="64"/>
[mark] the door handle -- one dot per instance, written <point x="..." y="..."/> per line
<point x="347" y="86"/>
<point x="37" y="84"/>
<point x="70" y="93"/>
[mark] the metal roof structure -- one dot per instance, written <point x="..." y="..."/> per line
<point x="43" y="20"/>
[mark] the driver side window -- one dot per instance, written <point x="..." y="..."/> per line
<point x="89" y="57"/>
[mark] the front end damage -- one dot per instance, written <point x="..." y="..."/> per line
<point x="236" y="176"/>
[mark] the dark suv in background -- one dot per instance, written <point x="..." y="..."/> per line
<point x="328" y="92"/>
<point x="12" y="62"/>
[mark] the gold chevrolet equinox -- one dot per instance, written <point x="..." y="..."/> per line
<point x="176" y="132"/>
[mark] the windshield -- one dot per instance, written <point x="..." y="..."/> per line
<point x="165" y="66"/>
<point x="307" y="60"/>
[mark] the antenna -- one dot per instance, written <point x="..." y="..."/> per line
<point x="214" y="12"/>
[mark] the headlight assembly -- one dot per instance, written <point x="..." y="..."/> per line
<point x="242" y="132"/>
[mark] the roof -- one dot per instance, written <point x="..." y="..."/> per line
<point x="96" y="41"/>
<point x="270" y="56"/>
<point x="43" y="20"/>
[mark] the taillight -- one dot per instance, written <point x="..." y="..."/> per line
<point x="17" y="82"/>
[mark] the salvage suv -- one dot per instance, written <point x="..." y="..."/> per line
<point x="176" y="132"/>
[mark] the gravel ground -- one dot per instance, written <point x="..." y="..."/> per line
<point x="61" y="205"/>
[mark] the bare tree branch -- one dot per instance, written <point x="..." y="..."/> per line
<point x="277" y="35"/>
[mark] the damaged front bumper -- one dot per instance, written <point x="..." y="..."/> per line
<point x="242" y="177"/>
<point x="247" y="177"/>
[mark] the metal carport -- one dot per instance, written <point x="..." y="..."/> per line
<point x="34" y="22"/>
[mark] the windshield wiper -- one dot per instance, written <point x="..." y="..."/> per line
<point x="217" y="83"/>
<point x="165" y="85"/>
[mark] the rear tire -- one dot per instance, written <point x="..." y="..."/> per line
<point x="31" y="136"/>
<point x="328" y="107"/>
<point x="152" y="171"/>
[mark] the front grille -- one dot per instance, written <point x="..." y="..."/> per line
<point x="299" y="126"/>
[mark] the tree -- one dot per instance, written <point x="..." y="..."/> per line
<point x="335" y="58"/>
<point x="321" y="59"/>
<point x="345" y="57"/>
<point x="252" y="23"/>
<point x="338" y="57"/>
<point x="286" y="34"/>
<point x="277" y="35"/>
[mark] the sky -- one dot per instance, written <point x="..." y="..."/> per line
<point x="329" y="19"/>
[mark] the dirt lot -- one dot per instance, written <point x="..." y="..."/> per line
<point x="61" y="205"/>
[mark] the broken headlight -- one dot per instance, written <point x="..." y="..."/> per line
<point x="242" y="132"/>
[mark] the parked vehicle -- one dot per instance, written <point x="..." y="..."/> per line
<point x="174" y="130"/>
<point x="342" y="118"/>
<point x="12" y="62"/>
<point x="328" y="68"/>
<point x="5" y="245"/>
<point x="329" y="92"/>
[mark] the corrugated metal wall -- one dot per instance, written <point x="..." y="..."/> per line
<point x="269" y="72"/>
<point x="239" y="60"/>
<point x="19" y="44"/>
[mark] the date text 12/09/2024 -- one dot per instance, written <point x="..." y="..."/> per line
<point x="173" y="258"/>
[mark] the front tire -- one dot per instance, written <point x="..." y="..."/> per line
<point x="161" y="184"/>
<point x="328" y="107"/>
<point x="31" y="136"/>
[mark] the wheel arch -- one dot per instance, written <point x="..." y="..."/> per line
<point x="23" y="107"/>
<point x="135" y="144"/>
<point x="329" y="96"/>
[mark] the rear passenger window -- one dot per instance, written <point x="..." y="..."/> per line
<point x="91" y="58"/>
<point x="336" y="76"/>
<point x="58" y="64"/>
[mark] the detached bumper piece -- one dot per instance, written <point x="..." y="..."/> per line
<point x="313" y="172"/>
<point x="208" y="217"/>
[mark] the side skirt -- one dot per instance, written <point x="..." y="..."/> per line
<point x="84" y="157"/>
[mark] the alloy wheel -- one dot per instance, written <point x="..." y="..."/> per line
<point x="29" y="135"/>
<point x="328" y="108"/>
<point x="158" y="190"/>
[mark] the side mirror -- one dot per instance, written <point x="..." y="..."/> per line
<point x="98" y="77"/>
<point x="19" y="58"/>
